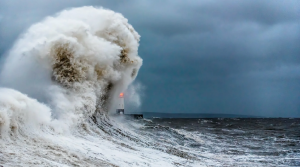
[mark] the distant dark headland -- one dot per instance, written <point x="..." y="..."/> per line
<point x="193" y="115"/>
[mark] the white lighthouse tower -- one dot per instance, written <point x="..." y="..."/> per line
<point x="120" y="107"/>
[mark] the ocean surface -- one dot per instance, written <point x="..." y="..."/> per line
<point x="233" y="141"/>
<point x="120" y="140"/>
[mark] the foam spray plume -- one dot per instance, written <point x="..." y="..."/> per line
<point x="70" y="69"/>
<point x="76" y="61"/>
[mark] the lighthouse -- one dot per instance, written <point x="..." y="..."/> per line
<point x="120" y="107"/>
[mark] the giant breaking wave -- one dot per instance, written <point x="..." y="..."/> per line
<point x="76" y="62"/>
<point x="70" y="69"/>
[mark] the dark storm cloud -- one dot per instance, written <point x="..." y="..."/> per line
<point x="207" y="56"/>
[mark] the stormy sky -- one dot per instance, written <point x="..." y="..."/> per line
<point x="200" y="56"/>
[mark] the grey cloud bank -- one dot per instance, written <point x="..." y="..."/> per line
<point x="231" y="57"/>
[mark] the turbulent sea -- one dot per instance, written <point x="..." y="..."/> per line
<point x="59" y="86"/>
<point x="124" y="141"/>
<point x="233" y="141"/>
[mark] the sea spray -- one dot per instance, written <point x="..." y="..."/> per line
<point x="84" y="56"/>
<point x="19" y="111"/>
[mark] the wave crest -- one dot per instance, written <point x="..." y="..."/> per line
<point x="85" y="54"/>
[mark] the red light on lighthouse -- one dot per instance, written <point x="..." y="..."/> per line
<point x="121" y="94"/>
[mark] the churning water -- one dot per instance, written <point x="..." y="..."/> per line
<point x="234" y="142"/>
